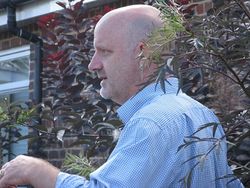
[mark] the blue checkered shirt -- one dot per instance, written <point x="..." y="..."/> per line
<point x="146" y="156"/>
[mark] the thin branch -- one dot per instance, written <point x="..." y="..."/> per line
<point x="230" y="70"/>
<point x="224" y="62"/>
<point x="238" y="164"/>
<point x="205" y="66"/>
<point x="245" y="77"/>
<point x="243" y="6"/>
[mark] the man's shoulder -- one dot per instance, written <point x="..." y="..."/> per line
<point x="164" y="108"/>
<point x="169" y="105"/>
<point x="172" y="109"/>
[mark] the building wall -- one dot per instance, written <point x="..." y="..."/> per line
<point x="202" y="7"/>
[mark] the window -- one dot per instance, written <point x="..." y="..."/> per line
<point x="14" y="86"/>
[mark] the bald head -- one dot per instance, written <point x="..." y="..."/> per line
<point x="134" y="23"/>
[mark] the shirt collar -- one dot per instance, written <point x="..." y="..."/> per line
<point x="131" y="106"/>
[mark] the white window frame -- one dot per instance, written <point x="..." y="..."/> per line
<point x="17" y="86"/>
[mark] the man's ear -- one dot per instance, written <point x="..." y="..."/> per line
<point x="143" y="57"/>
<point x="142" y="50"/>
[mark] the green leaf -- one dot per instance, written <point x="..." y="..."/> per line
<point x="79" y="165"/>
<point x="206" y="126"/>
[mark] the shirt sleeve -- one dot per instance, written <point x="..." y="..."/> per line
<point x="65" y="180"/>
<point x="130" y="164"/>
<point x="68" y="180"/>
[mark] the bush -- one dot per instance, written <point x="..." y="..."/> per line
<point x="71" y="106"/>
<point x="13" y="117"/>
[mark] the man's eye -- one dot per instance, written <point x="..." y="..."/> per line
<point x="104" y="52"/>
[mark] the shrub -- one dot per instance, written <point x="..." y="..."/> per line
<point x="71" y="106"/>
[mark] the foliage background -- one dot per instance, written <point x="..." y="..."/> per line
<point x="72" y="106"/>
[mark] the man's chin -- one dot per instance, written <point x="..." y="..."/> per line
<point x="104" y="94"/>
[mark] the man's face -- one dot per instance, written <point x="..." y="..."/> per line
<point x="115" y="63"/>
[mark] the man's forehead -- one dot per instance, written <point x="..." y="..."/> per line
<point x="109" y="30"/>
<point x="103" y="40"/>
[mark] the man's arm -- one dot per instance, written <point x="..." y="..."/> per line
<point x="24" y="170"/>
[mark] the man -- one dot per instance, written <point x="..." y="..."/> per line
<point x="155" y="123"/>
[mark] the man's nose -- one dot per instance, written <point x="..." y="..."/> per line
<point x="95" y="64"/>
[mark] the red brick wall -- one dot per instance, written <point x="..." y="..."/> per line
<point x="202" y="7"/>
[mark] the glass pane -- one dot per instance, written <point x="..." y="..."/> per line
<point x="16" y="69"/>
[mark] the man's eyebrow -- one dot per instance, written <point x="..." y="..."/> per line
<point x="98" y="46"/>
<point x="101" y="47"/>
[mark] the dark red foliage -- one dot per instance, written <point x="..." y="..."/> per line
<point x="56" y="56"/>
<point x="61" y="4"/>
<point x="78" y="5"/>
<point x="107" y="9"/>
<point x="183" y="2"/>
<point x="70" y="88"/>
<point x="47" y="21"/>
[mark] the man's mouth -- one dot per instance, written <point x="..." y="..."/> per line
<point x="102" y="78"/>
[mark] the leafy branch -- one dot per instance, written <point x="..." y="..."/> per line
<point x="79" y="165"/>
